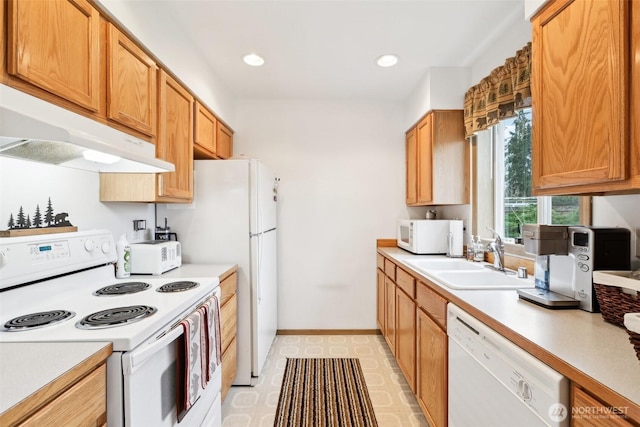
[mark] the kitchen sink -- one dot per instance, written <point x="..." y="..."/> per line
<point x="483" y="279"/>
<point x="431" y="265"/>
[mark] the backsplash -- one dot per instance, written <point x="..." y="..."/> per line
<point x="76" y="192"/>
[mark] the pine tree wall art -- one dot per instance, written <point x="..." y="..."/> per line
<point x="26" y="223"/>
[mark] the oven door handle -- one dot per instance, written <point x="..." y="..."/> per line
<point x="132" y="360"/>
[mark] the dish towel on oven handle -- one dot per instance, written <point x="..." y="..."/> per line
<point x="195" y="357"/>
<point x="211" y="309"/>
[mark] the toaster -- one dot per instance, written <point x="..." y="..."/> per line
<point x="155" y="256"/>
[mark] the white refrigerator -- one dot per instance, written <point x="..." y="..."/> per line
<point x="233" y="220"/>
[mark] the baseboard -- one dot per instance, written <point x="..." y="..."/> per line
<point x="328" y="332"/>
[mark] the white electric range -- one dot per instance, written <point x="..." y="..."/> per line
<point x="62" y="287"/>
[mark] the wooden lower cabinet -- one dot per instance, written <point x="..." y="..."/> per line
<point x="228" y="330"/>
<point x="587" y="411"/>
<point x="406" y="336"/>
<point x="380" y="305"/>
<point x="390" y="314"/>
<point x="431" y="366"/>
<point x="84" y="404"/>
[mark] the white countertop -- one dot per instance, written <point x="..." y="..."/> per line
<point x="583" y="340"/>
<point x="27" y="367"/>
<point x="187" y="271"/>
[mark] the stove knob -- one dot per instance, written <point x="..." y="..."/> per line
<point x="89" y="246"/>
<point x="106" y="248"/>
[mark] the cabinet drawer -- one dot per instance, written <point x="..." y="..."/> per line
<point x="229" y="367"/>
<point x="406" y="282"/>
<point x="432" y="303"/>
<point x="380" y="262"/>
<point x="228" y="288"/>
<point x="228" y="321"/>
<point x="390" y="269"/>
<point x="581" y="402"/>
<point x="83" y="404"/>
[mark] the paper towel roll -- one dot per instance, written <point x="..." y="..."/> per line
<point x="455" y="238"/>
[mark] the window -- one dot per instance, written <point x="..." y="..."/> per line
<point x="503" y="183"/>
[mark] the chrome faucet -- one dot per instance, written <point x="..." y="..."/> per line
<point x="497" y="247"/>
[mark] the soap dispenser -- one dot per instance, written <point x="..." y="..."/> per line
<point x="123" y="263"/>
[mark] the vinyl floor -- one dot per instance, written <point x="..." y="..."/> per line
<point x="393" y="401"/>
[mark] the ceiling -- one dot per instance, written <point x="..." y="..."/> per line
<point x="317" y="49"/>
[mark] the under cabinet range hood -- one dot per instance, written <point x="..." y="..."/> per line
<point x="33" y="129"/>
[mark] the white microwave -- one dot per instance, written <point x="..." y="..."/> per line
<point x="423" y="236"/>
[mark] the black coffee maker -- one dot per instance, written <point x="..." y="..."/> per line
<point x="164" y="233"/>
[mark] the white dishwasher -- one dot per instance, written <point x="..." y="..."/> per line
<point x="494" y="383"/>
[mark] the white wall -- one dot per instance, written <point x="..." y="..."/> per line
<point x="341" y="166"/>
<point x="76" y="192"/>
<point x="442" y="88"/>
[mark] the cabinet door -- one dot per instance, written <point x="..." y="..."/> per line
<point x="380" y="300"/>
<point x="424" y="142"/>
<point x="580" y="94"/>
<point x="84" y="404"/>
<point x="412" y="167"/>
<point x="224" y="141"/>
<point x="406" y="336"/>
<point x="390" y="314"/>
<point x="131" y="84"/>
<point x="635" y="94"/>
<point x="583" y="403"/>
<point x="431" y="375"/>
<point x="175" y="138"/>
<point x="204" y="137"/>
<point x="55" y="45"/>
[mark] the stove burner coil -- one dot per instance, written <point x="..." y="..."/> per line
<point x="37" y="320"/>
<point x="122" y="289"/>
<point x="183" y="285"/>
<point x="116" y="317"/>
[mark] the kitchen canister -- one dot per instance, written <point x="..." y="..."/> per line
<point x="123" y="263"/>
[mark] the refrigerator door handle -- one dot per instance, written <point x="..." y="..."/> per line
<point x="261" y="233"/>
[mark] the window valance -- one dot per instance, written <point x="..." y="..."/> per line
<point x="500" y="94"/>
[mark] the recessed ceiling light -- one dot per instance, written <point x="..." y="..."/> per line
<point x="387" y="60"/>
<point x="253" y="59"/>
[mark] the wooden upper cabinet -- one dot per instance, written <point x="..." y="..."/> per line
<point x="441" y="158"/>
<point x="412" y="167"/>
<point x="205" y="133"/>
<point x="55" y="45"/>
<point x="213" y="140"/>
<point x="580" y="95"/>
<point x="424" y="155"/>
<point x="635" y="96"/>
<point x="224" y="141"/>
<point x="131" y="84"/>
<point x="175" y="138"/>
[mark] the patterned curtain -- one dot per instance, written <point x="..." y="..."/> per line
<point x="500" y="94"/>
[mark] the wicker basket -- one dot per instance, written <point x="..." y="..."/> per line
<point x="614" y="303"/>
<point x="634" y="339"/>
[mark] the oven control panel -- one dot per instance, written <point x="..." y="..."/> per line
<point x="28" y="258"/>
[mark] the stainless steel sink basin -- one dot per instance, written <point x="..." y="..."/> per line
<point x="483" y="279"/>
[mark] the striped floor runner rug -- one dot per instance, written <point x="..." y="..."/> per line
<point x="324" y="393"/>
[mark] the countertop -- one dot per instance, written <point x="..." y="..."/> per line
<point x="39" y="371"/>
<point x="187" y="271"/>
<point x="578" y="344"/>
